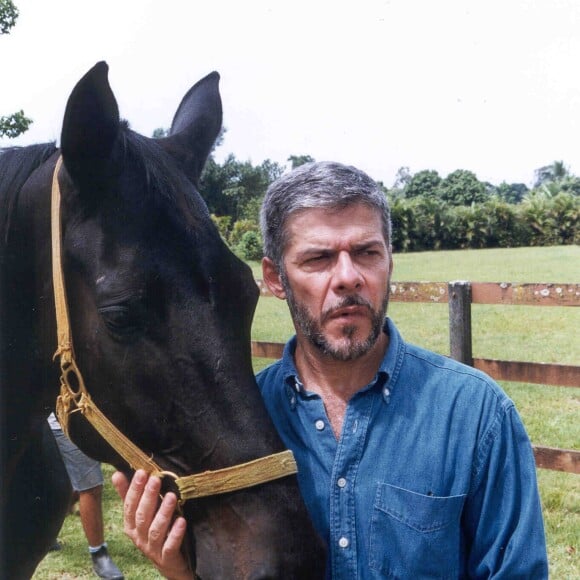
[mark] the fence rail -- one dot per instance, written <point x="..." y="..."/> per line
<point x="460" y="296"/>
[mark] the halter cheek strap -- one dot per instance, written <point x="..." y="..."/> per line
<point x="74" y="397"/>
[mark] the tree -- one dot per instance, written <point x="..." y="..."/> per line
<point x="160" y="133"/>
<point x="402" y="178"/>
<point x="11" y="125"/>
<point x="462" y="188"/>
<point x="248" y="187"/>
<point x="424" y="183"/>
<point x="571" y="184"/>
<point x="8" y="16"/>
<point x="236" y="188"/>
<point x="298" y="160"/>
<point x="215" y="179"/>
<point x="555" y="172"/>
<point x="511" y="192"/>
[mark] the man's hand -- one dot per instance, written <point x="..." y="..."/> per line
<point x="148" y="523"/>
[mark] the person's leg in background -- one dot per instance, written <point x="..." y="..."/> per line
<point x="87" y="479"/>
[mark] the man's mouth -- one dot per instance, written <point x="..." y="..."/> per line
<point x="349" y="312"/>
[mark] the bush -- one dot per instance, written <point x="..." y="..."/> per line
<point x="240" y="228"/>
<point x="402" y="218"/>
<point x="433" y="224"/>
<point x="250" y="246"/>
<point x="422" y="223"/>
<point x="565" y="211"/>
<point x="538" y="220"/>
<point x="504" y="226"/>
<point x="223" y="224"/>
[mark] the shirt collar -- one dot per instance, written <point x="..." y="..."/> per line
<point x="387" y="369"/>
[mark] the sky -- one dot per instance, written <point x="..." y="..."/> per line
<point x="491" y="86"/>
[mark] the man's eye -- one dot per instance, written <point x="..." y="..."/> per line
<point x="369" y="253"/>
<point x="317" y="260"/>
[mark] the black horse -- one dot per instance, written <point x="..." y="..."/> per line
<point x="160" y="315"/>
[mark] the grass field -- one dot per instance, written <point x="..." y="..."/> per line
<point x="551" y="414"/>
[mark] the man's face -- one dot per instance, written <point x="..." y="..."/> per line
<point x="336" y="276"/>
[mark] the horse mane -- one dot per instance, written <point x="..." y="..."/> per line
<point x="16" y="166"/>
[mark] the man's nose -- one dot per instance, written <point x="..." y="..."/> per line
<point x="347" y="276"/>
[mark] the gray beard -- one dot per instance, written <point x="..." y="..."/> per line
<point x="351" y="348"/>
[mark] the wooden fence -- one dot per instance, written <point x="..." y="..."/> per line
<point x="460" y="296"/>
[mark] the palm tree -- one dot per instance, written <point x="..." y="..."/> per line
<point x="555" y="172"/>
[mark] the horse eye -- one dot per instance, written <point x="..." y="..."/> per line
<point x="120" y="320"/>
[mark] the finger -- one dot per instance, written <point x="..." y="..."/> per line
<point x="133" y="497"/>
<point x="172" y="547"/>
<point x="147" y="507"/>
<point x="161" y="524"/>
<point x="120" y="483"/>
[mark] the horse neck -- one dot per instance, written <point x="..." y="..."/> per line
<point x="27" y="309"/>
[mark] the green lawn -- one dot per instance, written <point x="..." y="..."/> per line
<point x="517" y="265"/>
<point x="551" y="414"/>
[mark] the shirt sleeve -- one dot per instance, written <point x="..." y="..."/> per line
<point x="503" y="517"/>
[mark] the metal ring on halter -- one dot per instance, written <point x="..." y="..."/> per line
<point x="71" y="369"/>
<point x="174" y="477"/>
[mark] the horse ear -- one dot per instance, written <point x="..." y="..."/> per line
<point x="90" y="126"/>
<point x="195" y="126"/>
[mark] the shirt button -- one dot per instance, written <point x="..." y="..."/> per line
<point x="341" y="482"/>
<point x="319" y="424"/>
<point x="343" y="542"/>
<point x="386" y="395"/>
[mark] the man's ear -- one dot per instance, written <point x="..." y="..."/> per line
<point x="272" y="279"/>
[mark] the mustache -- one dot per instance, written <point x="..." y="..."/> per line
<point x="345" y="302"/>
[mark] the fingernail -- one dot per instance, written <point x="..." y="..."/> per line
<point x="154" y="483"/>
<point x="170" y="499"/>
<point x="180" y="525"/>
<point x="140" y="477"/>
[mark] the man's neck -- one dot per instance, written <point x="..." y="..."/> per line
<point x="334" y="380"/>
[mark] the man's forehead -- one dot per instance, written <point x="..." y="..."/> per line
<point x="320" y="225"/>
<point x="333" y="213"/>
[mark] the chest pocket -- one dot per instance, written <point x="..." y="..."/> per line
<point x="414" y="535"/>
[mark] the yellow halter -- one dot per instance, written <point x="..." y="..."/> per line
<point x="70" y="401"/>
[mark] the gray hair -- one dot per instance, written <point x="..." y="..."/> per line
<point x="316" y="185"/>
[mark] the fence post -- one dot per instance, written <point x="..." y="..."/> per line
<point x="460" y="344"/>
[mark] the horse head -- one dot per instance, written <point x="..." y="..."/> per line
<point x="160" y="314"/>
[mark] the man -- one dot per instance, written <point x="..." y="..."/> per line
<point x="86" y="479"/>
<point x="411" y="465"/>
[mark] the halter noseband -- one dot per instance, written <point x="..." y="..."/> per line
<point x="76" y="398"/>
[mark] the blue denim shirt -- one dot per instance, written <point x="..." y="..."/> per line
<point x="433" y="475"/>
